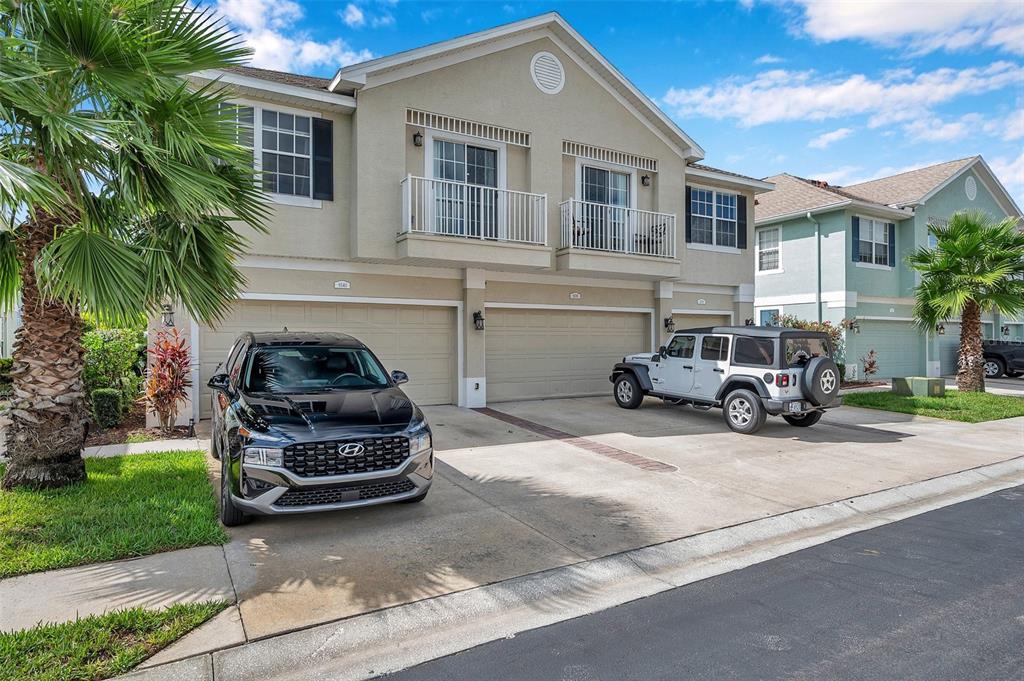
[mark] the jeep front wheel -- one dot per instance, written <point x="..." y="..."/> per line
<point x="628" y="394"/>
<point x="744" y="412"/>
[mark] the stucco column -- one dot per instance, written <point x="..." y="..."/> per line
<point x="474" y="345"/>
<point x="743" y="304"/>
<point x="663" y="295"/>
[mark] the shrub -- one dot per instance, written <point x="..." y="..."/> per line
<point x="168" y="381"/>
<point x="112" y="361"/>
<point x="106" y="407"/>
<point x="870" y="363"/>
<point x="5" y="375"/>
<point x="835" y="332"/>
<point x="842" y="370"/>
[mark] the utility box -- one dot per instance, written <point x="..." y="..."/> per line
<point x="919" y="386"/>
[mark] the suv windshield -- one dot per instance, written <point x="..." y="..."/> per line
<point x="799" y="350"/>
<point x="312" y="369"/>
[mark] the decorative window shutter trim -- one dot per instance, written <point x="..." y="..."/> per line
<point x="856" y="239"/>
<point x="741" y="221"/>
<point x="890" y="227"/>
<point x="689" y="216"/>
<point x="462" y="126"/>
<point x="323" y="159"/>
<point x="622" y="158"/>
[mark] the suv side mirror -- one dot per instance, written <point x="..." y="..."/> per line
<point x="219" y="382"/>
<point x="399" y="377"/>
<point x="663" y="351"/>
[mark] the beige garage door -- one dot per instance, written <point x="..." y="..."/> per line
<point x="418" y="340"/>
<point x="695" y="321"/>
<point x="558" y="353"/>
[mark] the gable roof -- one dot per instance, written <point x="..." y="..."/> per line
<point x="283" y="77"/>
<point x="909" y="187"/>
<point x="795" y="197"/>
<point x="551" y="25"/>
<point x="701" y="170"/>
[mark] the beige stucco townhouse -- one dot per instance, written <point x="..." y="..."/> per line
<point x="502" y="215"/>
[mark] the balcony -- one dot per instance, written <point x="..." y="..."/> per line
<point x="455" y="222"/>
<point x="597" y="237"/>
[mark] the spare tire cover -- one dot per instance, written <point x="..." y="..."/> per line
<point x="820" y="381"/>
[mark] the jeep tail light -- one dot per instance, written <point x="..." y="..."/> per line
<point x="782" y="380"/>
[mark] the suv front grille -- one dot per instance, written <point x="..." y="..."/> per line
<point x="317" y="459"/>
<point x="333" y="495"/>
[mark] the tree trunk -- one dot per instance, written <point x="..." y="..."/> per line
<point x="970" y="375"/>
<point x="45" y="424"/>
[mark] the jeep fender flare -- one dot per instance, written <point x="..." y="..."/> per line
<point x="748" y="382"/>
<point x="638" y="370"/>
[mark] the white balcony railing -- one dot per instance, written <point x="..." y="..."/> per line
<point x="471" y="211"/>
<point x="600" y="227"/>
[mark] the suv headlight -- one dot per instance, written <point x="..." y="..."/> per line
<point x="419" y="435"/>
<point x="264" y="456"/>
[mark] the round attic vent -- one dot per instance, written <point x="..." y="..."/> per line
<point x="548" y="74"/>
<point x="970" y="188"/>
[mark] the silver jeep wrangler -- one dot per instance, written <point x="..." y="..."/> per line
<point x="748" y="371"/>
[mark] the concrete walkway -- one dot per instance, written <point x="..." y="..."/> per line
<point x="177" y="445"/>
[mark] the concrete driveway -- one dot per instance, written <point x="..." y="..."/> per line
<point x="528" y="486"/>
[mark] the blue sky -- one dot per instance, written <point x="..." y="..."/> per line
<point x="841" y="91"/>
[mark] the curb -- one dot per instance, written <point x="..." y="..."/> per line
<point x="372" y="644"/>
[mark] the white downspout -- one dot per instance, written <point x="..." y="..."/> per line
<point x="817" y="259"/>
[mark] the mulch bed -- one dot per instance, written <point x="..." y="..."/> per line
<point x="134" y="425"/>
<point x="861" y="384"/>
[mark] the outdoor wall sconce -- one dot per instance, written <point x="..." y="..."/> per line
<point x="851" y="325"/>
<point x="1005" y="330"/>
<point x="478" y="320"/>
<point x="940" y="329"/>
<point x="167" y="314"/>
<point x="749" y="321"/>
<point x="646" y="180"/>
<point x="417" y="138"/>
<point x="670" y="324"/>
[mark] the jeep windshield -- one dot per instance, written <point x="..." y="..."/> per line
<point x="801" y="349"/>
<point x="282" y="370"/>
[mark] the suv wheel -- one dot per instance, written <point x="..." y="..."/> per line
<point x="744" y="412"/>
<point x="994" y="367"/>
<point x="230" y="514"/>
<point x="803" y="420"/>
<point x="628" y="394"/>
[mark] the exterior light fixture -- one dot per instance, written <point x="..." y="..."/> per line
<point x="1005" y="330"/>
<point x="417" y="138"/>
<point x="749" y="321"/>
<point x="940" y="329"/>
<point x="645" y="180"/>
<point x="167" y="314"/>
<point x="478" y="320"/>
<point x="670" y="324"/>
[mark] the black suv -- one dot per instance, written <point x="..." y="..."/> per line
<point x="1003" y="357"/>
<point x="313" y="422"/>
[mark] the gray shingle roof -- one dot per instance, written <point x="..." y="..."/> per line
<point x="909" y="187"/>
<point x="792" y="195"/>
<point x="701" y="166"/>
<point x="311" y="82"/>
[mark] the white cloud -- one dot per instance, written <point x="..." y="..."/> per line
<point x="1010" y="172"/>
<point x="824" y="140"/>
<point x="353" y="16"/>
<point x="381" y="20"/>
<point x="781" y="95"/>
<point x="768" y="59"/>
<point x="921" y="27"/>
<point x="1013" y="127"/>
<point x="266" y="26"/>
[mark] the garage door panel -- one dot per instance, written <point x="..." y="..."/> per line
<point x="557" y="353"/>
<point x="898" y="346"/>
<point x="418" y="340"/>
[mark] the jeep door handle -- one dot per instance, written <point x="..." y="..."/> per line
<point x="688" y="366"/>
<point x="719" y="371"/>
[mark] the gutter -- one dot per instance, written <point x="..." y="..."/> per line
<point x="817" y="260"/>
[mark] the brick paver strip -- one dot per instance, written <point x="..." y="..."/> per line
<point x="587" y="444"/>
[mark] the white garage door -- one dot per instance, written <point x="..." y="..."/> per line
<point x="419" y="340"/>
<point x="899" y="347"/>
<point x="696" y="321"/>
<point x="558" y="353"/>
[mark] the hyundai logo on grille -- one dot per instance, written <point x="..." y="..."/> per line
<point x="350" y="449"/>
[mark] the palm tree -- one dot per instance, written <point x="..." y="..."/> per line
<point x="976" y="265"/>
<point x="121" y="187"/>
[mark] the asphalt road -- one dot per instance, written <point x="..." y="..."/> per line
<point x="938" y="596"/>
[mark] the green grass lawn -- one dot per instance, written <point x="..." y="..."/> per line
<point x="130" y="506"/>
<point x="97" y="647"/>
<point x="955" y="406"/>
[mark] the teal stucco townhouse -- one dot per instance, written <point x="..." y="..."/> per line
<point x="838" y="253"/>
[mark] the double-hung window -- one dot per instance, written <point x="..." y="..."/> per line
<point x="713" y="217"/>
<point x="874" y="242"/>
<point x="286" y="153"/>
<point x="244" y="118"/>
<point x="768" y="250"/>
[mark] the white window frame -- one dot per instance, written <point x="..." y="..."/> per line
<point x="757" y="250"/>
<point x="872" y="265"/>
<point x="430" y="134"/>
<point x="605" y="165"/>
<point x="714" y="246"/>
<point x="758" y="310"/>
<point x="257" y="149"/>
